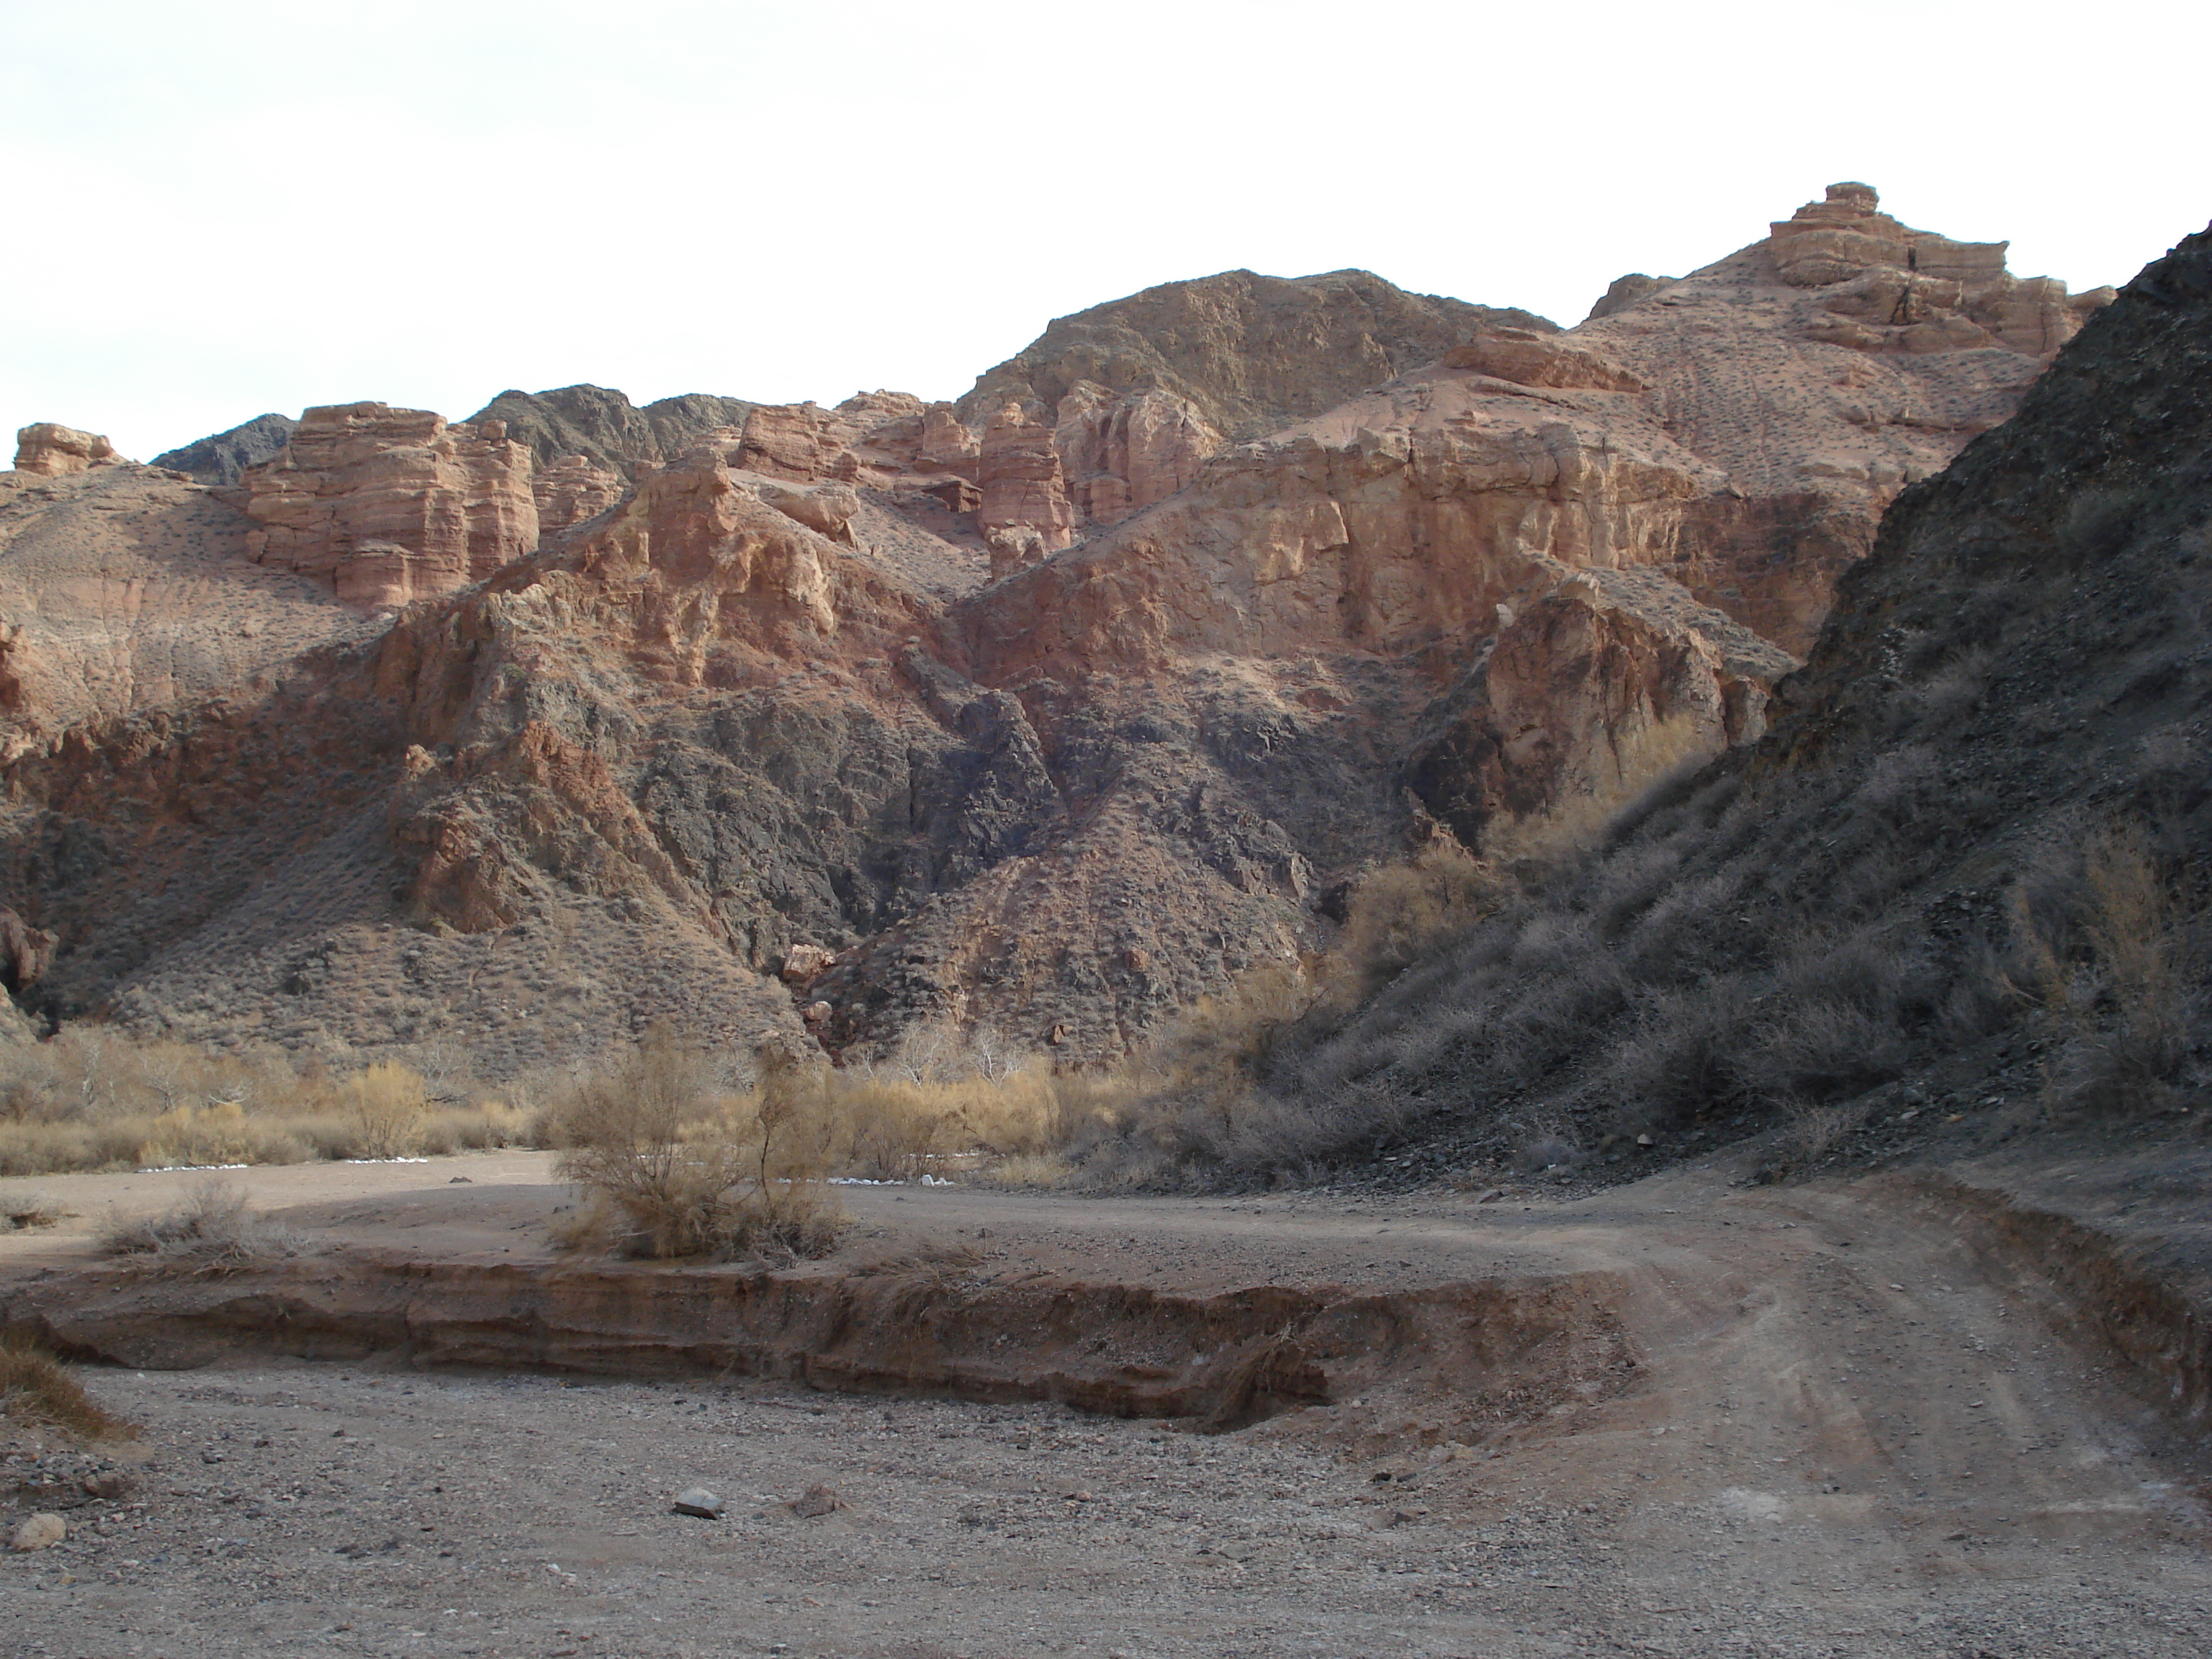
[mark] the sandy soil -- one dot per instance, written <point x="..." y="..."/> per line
<point x="1852" y="1430"/>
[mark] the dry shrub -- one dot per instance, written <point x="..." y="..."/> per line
<point x="2126" y="1009"/>
<point x="485" y="1126"/>
<point x="216" y="1135"/>
<point x="1812" y="1133"/>
<point x="678" y="1167"/>
<point x="887" y="1125"/>
<point x="93" y="1098"/>
<point x="1676" y="1061"/>
<point x="1403" y="912"/>
<point x="34" y="1385"/>
<point x="213" y="1232"/>
<point x="33" y="1210"/>
<point x="388" y="1106"/>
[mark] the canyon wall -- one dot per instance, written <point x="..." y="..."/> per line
<point x="1055" y="708"/>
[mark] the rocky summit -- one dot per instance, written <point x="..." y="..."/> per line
<point x="1051" y="709"/>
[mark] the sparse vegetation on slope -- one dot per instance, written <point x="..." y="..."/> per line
<point x="1962" y="853"/>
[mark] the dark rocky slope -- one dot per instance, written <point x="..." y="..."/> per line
<point x="1960" y="880"/>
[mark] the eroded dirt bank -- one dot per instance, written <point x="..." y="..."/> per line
<point x="1679" y="1416"/>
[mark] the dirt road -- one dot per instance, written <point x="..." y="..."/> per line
<point x="1832" y="1419"/>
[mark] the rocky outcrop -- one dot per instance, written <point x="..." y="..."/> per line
<point x="1623" y="292"/>
<point x="125" y="590"/>
<point x="1526" y="358"/>
<point x="606" y="427"/>
<point x="1119" y="455"/>
<point x="222" y="459"/>
<point x="387" y="505"/>
<point x="1999" y="732"/>
<point x="1024" y="501"/>
<point x="1888" y="288"/>
<point x="571" y="490"/>
<point x="827" y="509"/>
<point x="753" y="699"/>
<point x="26" y="952"/>
<point x="51" y="451"/>
<point x="1708" y="433"/>
<point x="1605" y="678"/>
<point x="1248" y="353"/>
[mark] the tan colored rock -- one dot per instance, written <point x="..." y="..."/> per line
<point x="389" y="505"/>
<point x="572" y="490"/>
<point x="26" y="952"/>
<point x="54" y="451"/>
<point x="1015" y="547"/>
<point x="1250" y="354"/>
<point x="1121" y="454"/>
<point x="1023" y="485"/>
<point x="1911" y="290"/>
<point x="827" y="508"/>
<point x="789" y="441"/>
<point x="39" y="1532"/>
<point x="1526" y="358"/>
<point x="1632" y="289"/>
<point x="804" y="964"/>
<point x="1714" y="432"/>
<point x="947" y="444"/>
<point x="1603" y="678"/>
<point x="125" y="590"/>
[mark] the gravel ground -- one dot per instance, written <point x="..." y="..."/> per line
<point x="303" y="1509"/>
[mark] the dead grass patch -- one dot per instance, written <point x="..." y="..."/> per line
<point x="214" y="1231"/>
<point x="34" y="1385"/>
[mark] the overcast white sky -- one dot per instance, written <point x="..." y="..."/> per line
<point x="218" y="208"/>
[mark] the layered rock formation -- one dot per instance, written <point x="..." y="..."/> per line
<point x="571" y="490"/>
<point x="751" y="704"/>
<point x="1991" y="774"/>
<point x="1023" y="488"/>
<point x="51" y="451"/>
<point x="1892" y="289"/>
<point x="1605" y="678"/>
<point x="387" y="505"/>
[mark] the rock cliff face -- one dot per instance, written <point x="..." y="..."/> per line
<point x="1605" y="677"/>
<point x="1991" y="773"/>
<point x="387" y="506"/>
<point x="571" y="490"/>
<point x="752" y="703"/>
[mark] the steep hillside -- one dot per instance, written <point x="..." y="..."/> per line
<point x="1959" y="884"/>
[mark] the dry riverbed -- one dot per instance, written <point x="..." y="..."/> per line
<point x="1847" y="1432"/>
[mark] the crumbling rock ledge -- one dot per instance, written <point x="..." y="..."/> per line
<point x="1511" y="1347"/>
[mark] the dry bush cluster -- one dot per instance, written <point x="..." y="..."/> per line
<point x="93" y="1098"/>
<point x="214" y="1231"/>
<point x="680" y="1164"/>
